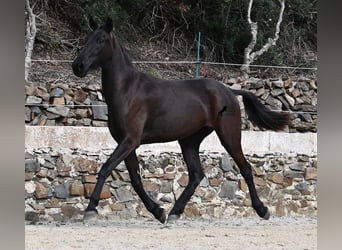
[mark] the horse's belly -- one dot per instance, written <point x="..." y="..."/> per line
<point x="172" y="129"/>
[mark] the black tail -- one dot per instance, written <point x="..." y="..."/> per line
<point x="262" y="116"/>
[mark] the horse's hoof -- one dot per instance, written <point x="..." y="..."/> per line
<point x="90" y="215"/>
<point x="172" y="218"/>
<point x="162" y="218"/>
<point x="267" y="215"/>
<point x="263" y="212"/>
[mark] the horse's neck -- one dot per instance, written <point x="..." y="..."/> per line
<point x="115" y="73"/>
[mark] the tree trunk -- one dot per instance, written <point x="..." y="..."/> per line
<point x="249" y="55"/>
<point x="30" y="35"/>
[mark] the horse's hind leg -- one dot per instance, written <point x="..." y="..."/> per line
<point x="132" y="165"/>
<point x="229" y="134"/>
<point x="190" y="150"/>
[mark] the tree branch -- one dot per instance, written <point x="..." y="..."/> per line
<point x="249" y="56"/>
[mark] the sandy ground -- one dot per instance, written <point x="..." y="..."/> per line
<point x="233" y="233"/>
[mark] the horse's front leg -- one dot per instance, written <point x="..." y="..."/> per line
<point x="124" y="148"/>
<point x="132" y="165"/>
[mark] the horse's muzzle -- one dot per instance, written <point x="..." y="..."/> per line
<point x="79" y="68"/>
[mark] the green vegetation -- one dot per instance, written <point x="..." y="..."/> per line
<point x="225" y="31"/>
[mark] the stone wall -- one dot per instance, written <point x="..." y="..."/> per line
<point x="58" y="184"/>
<point x="77" y="104"/>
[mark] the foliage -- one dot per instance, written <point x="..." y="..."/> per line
<point x="225" y="31"/>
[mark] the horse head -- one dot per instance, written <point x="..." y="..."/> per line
<point x="97" y="50"/>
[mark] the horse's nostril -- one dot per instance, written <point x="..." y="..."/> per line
<point x="80" y="67"/>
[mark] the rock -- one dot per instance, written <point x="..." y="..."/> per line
<point x="310" y="173"/>
<point x="290" y="100"/>
<point x="29" y="89"/>
<point x="183" y="180"/>
<point x="228" y="189"/>
<point x="52" y="116"/>
<point x="42" y="92"/>
<point x="243" y="185"/>
<point x="77" y="188"/>
<point x="260" y="92"/>
<point x="42" y="173"/>
<point x="81" y="113"/>
<point x="89" y="188"/>
<point x="80" y="95"/>
<point x="125" y="176"/>
<point x="59" y="110"/>
<point x="265" y="95"/>
<point x="41" y="192"/>
<point x="288" y="83"/>
<point x="236" y="86"/>
<point x="226" y="164"/>
<point x="297" y="166"/>
<point x="295" y="93"/>
<point x="57" y="92"/>
<point x="28" y="114"/>
<point x="99" y="123"/>
<point x="122" y="194"/>
<point x="86" y="122"/>
<point x="69" y="211"/>
<point x="191" y="211"/>
<point x="117" y="206"/>
<point x="105" y="193"/>
<point x="32" y="165"/>
<point x="258" y="181"/>
<point x="285" y="104"/>
<point x="167" y="198"/>
<point x="303" y="86"/>
<point x="150" y="186"/>
<point x="204" y="182"/>
<point x="166" y="187"/>
<point x="32" y="216"/>
<point x="288" y="181"/>
<point x="67" y="159"/>
<point x="293" y="174"/>
<point x="30" y="187"/>
<point x="62" y="191"/>
<point x="58" y="101"/>
<point x="51" y="174"/>
<point x="302" y="187"/>
<point x="33" y="100"/>
<point x="85" y="165"/>
<point x="215" y="182"/>
<point x="89" y="179"/>
<point x="276" y="178"/>
<point x="280" y="209"/>
<point x="276" y="92"/>
<point x="100" y="111"/>
<point x="278" y="83"/>
<point x="275" y="103"/>
<point x="305" y="117"/>
<point x="303" y="158"/>
<point x="258" y="171"/>
<point x="29" y="176"/>
<point x="212" y="173"/>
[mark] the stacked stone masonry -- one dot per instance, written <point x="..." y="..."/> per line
<point x="77" y="104"/>
<point x="58" y="185"/>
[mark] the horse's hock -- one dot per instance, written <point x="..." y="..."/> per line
<point x="59" y="176"/>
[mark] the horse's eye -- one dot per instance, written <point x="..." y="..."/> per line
<point x="100" y="40"/>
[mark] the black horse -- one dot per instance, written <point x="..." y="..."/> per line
<point x="143" y="109"/>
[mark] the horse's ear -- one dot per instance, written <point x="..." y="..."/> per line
<point x="108" y="27"/>
<point x="93" y="25"/>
